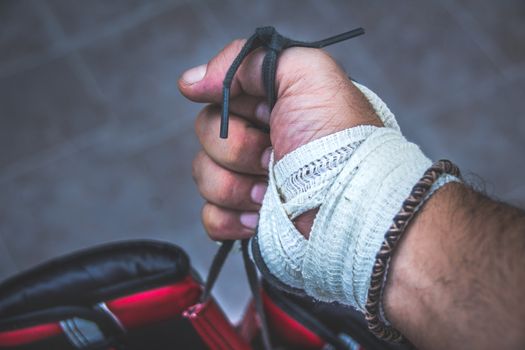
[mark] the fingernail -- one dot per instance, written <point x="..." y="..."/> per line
<point x="195" y="74"/>
<point x="265" y="158"/>
<point x="249" y="219"/>
<point x="257" y="193"/>
<point x="262" y="112"/>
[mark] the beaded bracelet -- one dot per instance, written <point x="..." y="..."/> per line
<point x="374" y="315"/>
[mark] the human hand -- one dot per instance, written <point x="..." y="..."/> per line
<point x="315" y="98"/>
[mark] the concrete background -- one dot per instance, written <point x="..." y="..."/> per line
<point x="96" y="142"/>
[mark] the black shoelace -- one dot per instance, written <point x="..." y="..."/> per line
<point x="274" y="43"/>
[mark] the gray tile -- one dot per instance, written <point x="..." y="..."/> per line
<point x="79" y="18"/>
<point x="137" y="70"/>
<point x="22" y="32"/>
<point x="292" y="18"/>
<point x="501" y="24"/>
<point x="424" y="56"/>
<point x="101" y="194"/>
<point x="44" y="107"/>
<point x="485" y="138"/>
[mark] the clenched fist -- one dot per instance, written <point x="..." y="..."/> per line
<point x="315" y="98"/>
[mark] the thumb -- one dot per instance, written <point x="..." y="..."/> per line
<point x="204" y="83"/>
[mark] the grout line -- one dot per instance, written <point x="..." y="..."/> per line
<point x="151" y="138"/>
<point x="213" y="26"/>
<point x="82" y="141"/>
<point x="76" y="61"/>
<point x="102" y="138"/>
<point x="83" y="40"/>
<point x="471" y="26"/>
<point x="52" y="154"/>
<point x="53" y="28"/>
<point x="56" y="31"/>
<point x="88" y="79"/>
<point x="23" y="64"/>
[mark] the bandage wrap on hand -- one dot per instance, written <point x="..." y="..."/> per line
<point x="358" y="178"/>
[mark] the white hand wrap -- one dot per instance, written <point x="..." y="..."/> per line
<point x="358" y="178"/>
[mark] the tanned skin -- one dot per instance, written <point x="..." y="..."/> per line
<point x="457" y="278"/>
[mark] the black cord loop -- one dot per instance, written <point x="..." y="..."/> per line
<point x="274" y="43"/>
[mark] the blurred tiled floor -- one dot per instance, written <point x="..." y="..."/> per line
<point x="96" y="142"/>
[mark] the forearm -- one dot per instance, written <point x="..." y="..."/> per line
<point x="457" y="279"/>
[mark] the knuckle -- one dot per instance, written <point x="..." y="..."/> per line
<point x="237" y="44"/>
<point x="202" y="122"/>
<point x="228" y="54"/>
<point x="209" y="111"/>
<point x="236" y="150"/>
<point x="197" y="125"/>
<point x="196" y="166"/>
<point x="293" y="72"/>
<point x="214" y="222"/>
<point x="224" y="191"/>
<point x="207" y="221"/>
